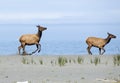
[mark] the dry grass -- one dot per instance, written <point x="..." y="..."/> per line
<point x="25" y="60"/>
<point x="62" y="61"/>
<point x="41" y="61"/>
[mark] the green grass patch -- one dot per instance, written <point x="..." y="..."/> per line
<point x="116" y="60"/>
<point x="96" y="61"/>
<point x="62" y="61"/>
<point x="80" y="60"/>
<point x="41" y="61"/>
<point x="25" y="60"/>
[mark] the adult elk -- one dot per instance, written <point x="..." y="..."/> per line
<point x="98" y="42"/>
<point x="31" y="39"/>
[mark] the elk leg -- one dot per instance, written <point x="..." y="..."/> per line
<point x="100" y="51"/>
<point x="35" y="50"/>
<point x="88" y="48"/>
<point x="23" y="46"/>
<point x="103" y="51"/>
<point x="38" y="49"/>
<point x="19" y="48"/>
<point x="24" y="52"/>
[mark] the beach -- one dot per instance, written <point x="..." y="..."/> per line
<point x="58" y="37"/>
<point x="59" y="69"/>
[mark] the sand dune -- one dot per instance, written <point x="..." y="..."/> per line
<point x="47" y="69"/>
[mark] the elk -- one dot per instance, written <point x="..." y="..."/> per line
<point x="31" y="39"/>
<point x="99" y="43"/>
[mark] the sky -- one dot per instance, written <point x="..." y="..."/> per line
<point x="59" y="11"/>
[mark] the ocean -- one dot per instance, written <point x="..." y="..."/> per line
<point x="59" y="39"/>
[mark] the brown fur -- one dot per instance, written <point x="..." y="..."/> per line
<point x="98" y="42"/>
<point x="31" y="39"/>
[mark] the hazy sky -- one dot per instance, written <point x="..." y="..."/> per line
<point x="59" y="11"/>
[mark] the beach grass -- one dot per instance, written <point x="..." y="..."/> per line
<point x="25" y="60"/>
<point x="80" y="60"/>
<point x="41" y="61"/>
<point x="116" y="60"/>
<point x="62" y="61"/>
<point x="95" y="61"/>
<point x="33" y="61"/>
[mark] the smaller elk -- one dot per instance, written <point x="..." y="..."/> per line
<point x="31" y="39"/>
<point x="98" y="42"/>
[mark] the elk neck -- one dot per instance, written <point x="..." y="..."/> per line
<point x="107" y="40"/>
<point x="39" y="34"/>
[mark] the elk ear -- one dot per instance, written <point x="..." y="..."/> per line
<point x="108" y="33"/>
<point x="38" y="26"/>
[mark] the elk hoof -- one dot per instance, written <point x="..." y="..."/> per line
<point x="38" y="51"/>
<point x="30" y="54"/>
<point x="24" y="53"/>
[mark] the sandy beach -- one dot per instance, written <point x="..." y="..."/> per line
<point x="59" y="69"/>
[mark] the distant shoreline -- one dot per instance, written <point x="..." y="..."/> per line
<point x="59" y="55"/>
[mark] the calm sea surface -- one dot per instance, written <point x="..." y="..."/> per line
<point x="59" y="39"/>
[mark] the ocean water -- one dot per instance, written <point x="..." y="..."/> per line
<point x="59" y="39"/>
